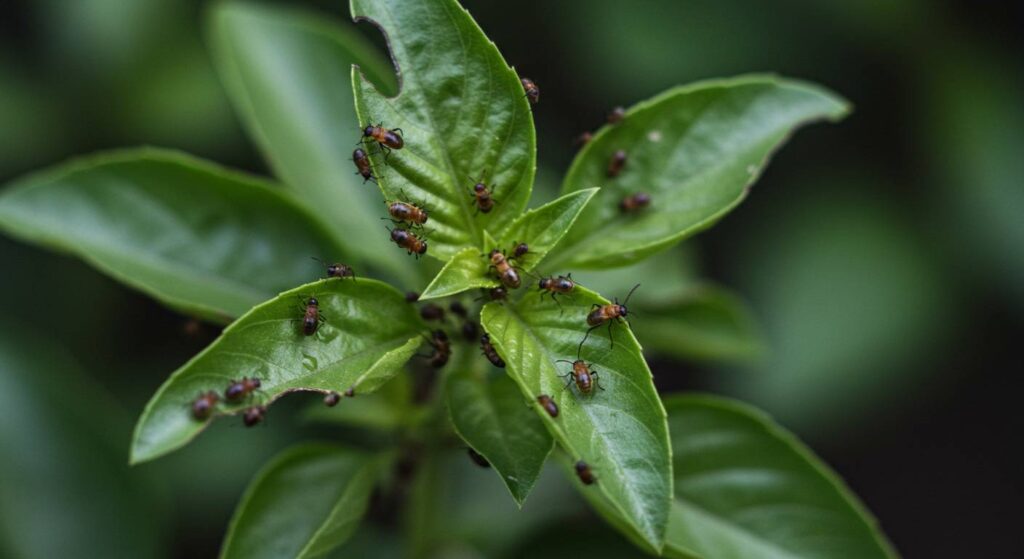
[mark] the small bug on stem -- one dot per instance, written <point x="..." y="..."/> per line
<point x="584" y="472"/>
<point x="362" y="162"/>
<point x="634" y="202"/>
<point x="490" y="353"/>
<point x="203" y="406"/>
<point x="386" y="139"/>
<point x="612" y="312"/>
<point x="237" y="390"/>
<point x="549" y="405"/>
<point x="531" y="89"/>
<point x="616" y="163"/>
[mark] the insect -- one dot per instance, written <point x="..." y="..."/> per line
<point x="478" y="459"/>
<point x="331" y="399"/>
<point x="561" y="285"/>
<point x="583" y="139"/>
<point x="549" y="405"/>
<point x="531" y="89"/>
<point x="362" y="162"/>
<point x="408" y="241"/>
<point x="482" y="194"/>
<point x="608" y="313"/>
<point x="470" y="330"/>
<point x="442" y="349"/>
<point x="457" y="308"/>
<point x="337" y="269"/>
<point x="411" y="296"/>
<point x="203" y="406"/>
<point x="495" y="294"/>
<point x="582" y="374"/>
<point x="505" y="272"/>
<point x="634" y="202"/>
<point x="616" y="115"/>
<point x="350" y="392"/>
<point x="311" y="318"/>
<point x="386" y="139"/>
<point x="239" y="389"/>
<point x="617" y="162"/>
<point x="409" y="213"/>
<point x="585" y="474"/>
<point x="520" y="250"/>
<point x="253" y="415"/>
<point x="431" y="311"/>
<point x="490" y="353"/>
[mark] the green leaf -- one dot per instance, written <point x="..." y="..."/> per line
<point x="466" y="270"/>
<point x="189" y="233"/>
<point x="620" y="431"/>
<point x="66" y="491"/>
<point x="696" y="150"/>
<point x="288" y="73"/>
<point x="387" y="409"/>
<point x="304" y="503"/>
<point x="705" y="322"/>
<point x="463" y="115"/>
<point x="543" y="227"/>
<point x="491" y="415"/>
<point x="368" y="333"/>
<point x="745" y="487"/>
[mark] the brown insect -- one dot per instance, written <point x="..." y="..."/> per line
<point x="634" y="202"/>
<point x="409" y="213"/>
<point x="457" y="308"/>
<point x="470" y="330"/>
<point x="478" y="459"/>
<point x="520" y="250"/>
<point x="581" y="373"/>
<point x="503" y="270"/>
<point x="549" y="405"/>
<point x="617" y="162"/>
<point x="442" y="349"/>
<point x="386" y="139"/>
<point x="531" y="89"/>
<point x="407" y="240"/>
<point x="331" y="399"/>
<point x="612" y="312"/>
<point x="350" y="392"/>
<point x="411" y="296"/>
<point x="337" y="269"/>
<point x="203" y="406"/>
<point x="561" y="285"/>
<point x="585" y="474"/>
<point x="311" y="317"/>
<point x="431" y="311"/>
<point x="253" y="415"/>
<point x="583" y="139"/>
<point x="616" y="115"/>
<point x="490" y="353"/>
<point x="362" y="162"/>
<point x="239" y="389"/>
<point x="495" y="294"/>
<point x="482" y="195"/>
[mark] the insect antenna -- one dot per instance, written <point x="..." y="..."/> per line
<point x="630" y="294"/>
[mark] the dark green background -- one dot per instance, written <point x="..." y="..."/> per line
<point x="882" y="255"/>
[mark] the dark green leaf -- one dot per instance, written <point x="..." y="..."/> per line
<point x="65" y="489"/>
<point x="463" y="115"/>
<point x="187" y="232"/>
<point x="368" y="333"/>
<point x="304" y="503"/>
<point x="491" y="415"/>
<point x="620" y="431"/>
<point x="745" y="487"/>
<point x="696" y="150"/>
<point x="704" y="322"/>
<point x="288" y="73"/>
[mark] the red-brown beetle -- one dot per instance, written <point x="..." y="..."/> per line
<point x="531" y="89"/>
<point x="331" y="399"/>
<point x="386" y="139"/>
<point x="561" y="285"/>
<point x="311" y="318"/>
<point x="612" y="312"/>
<point x="237" y="390"/>
<point x="203" y="406"/>
<point x="585" y="474"/>
<point x="635" y="202"/>
<point x="442" y="349"/>
<point x="253" y="415"/>
<point x="582" y="374"/>
<point x="549" y="405"/>
<point x="490" y="353"/>
<point x="482" y="195"/>
<point x="504" y="271"/>
<point x="616" y="163"/>
<point x="410" y="242"/>
<point x="362" y="162"/>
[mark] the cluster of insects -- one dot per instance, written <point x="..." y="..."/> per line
<point x="237" y="391"/>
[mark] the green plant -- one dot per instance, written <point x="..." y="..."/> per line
<point x="695" y="476"/>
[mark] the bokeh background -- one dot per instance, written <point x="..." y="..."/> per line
<point x="883" y="258"/>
